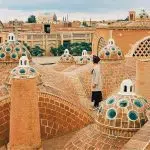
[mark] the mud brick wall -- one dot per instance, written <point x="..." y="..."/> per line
<point x="58" y="117"/>
<point x="142" y="78"/>
<point x="4" y="120"/>
<point x="112" y="74"/>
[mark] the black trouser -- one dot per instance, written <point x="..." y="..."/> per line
<point x="96" y="97"/>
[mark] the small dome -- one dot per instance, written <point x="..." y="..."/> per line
<point x="111" y="51"/>
<point x="23" y="71"/>
<point x="66" y="57"/>
<point x="124" y="112"/>
<point x="12" y="50"/>
<point x="85" y="58"/>
<point x="142" y="14"/>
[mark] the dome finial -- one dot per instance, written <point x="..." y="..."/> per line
<point x="11" y="37"/>
<point x="24" y="61"/>
<point x="66" y="51"/>
<point x="126" y="87"/>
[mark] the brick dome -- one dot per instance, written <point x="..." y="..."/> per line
<point x="111" y="52"/>
<point x="84" y="59"/>
<point x="125" y="110"/>
<point x="12" y="50"/>
<point x="66" y="57"/>
<point x="23" y="70"/>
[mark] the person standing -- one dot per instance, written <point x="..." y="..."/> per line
<point x="96" y="83"/>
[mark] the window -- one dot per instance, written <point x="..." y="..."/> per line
<point x="131" y="88"/>
<point x="25" y="62"/>
<point x="125" y="88"/>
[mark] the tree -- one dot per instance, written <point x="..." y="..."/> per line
<point x="32" y="19"/>
<point x="27" y="46"/>
<point x="37" y="51"/>
<point x="74" y="48"/>
<point x="85" y="24"/>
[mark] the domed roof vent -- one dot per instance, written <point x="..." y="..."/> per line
<point x="66" y="57"/>
<point x="84" y="59"/>
<point x="23" y="70"/>
<point x="123" y="112"/>
<point x="127" y="87"/>
<point x="12" y="50"/>
<point x="111" y="51"/>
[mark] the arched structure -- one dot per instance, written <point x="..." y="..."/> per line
<point x="101" y="43"/>
<point x="141" y="48"/>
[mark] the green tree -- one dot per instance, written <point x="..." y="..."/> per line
<point x="37" y="51"/>
<point x="58" y="51"/>
<point x="27" y="46"/>
<point x="85" y="24"/>
<point x="74" y="48"/>
<point x="32" y="19"/>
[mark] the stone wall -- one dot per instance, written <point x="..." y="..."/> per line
<point x="59" y="117"/>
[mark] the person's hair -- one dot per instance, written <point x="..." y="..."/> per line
<point x="96" y="59"/>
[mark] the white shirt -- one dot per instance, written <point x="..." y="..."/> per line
<point x="96" y="78"/>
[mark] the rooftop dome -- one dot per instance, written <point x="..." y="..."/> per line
<point x="142" y="14"/>
<point x="66" y="57"/>
<point x="111" y="51"/>
<point x="23" y="71"/>
<point x="124" y="112"/>
<point x="85" y="58"/>
<point x="12" y="50"/>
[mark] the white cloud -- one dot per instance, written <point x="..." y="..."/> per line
<point x="7" y="14"/>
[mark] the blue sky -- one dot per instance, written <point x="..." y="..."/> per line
<point x="77" y="9"/>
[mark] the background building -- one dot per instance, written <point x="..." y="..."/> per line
<point x="47" y="35"/>
<point x="126" y="33"/>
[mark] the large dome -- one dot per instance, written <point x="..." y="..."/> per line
<point x="124" y="111"/>
<point x="111" y="52"/>
<point x="12" y="50"/>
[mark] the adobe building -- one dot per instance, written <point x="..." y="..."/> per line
<point x="125" y="33"/>
<point x="46" y="35"/>
<point x="63" y="90"/>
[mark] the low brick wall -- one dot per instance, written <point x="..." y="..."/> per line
<point x="58" y="117"/>
<point x="4" y="120"/>
<point x="141" y="140"/>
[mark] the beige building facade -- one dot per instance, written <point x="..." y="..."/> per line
<point x="54" y="39"/>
